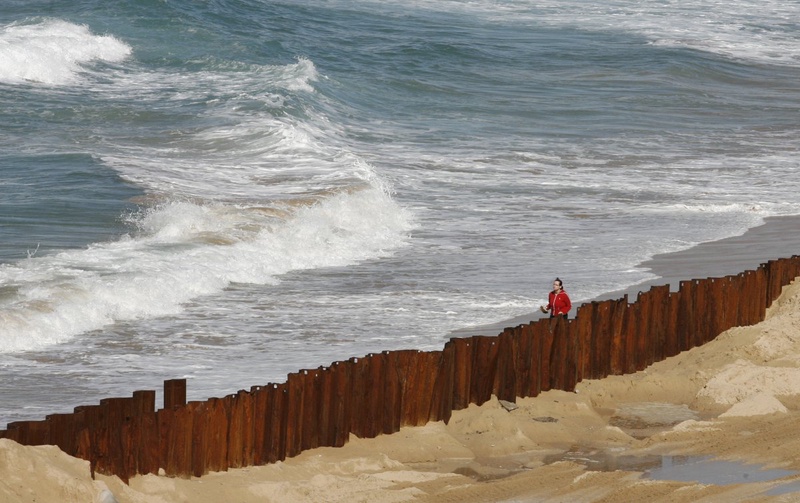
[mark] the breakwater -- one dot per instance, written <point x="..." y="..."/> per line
<point x="381" y="392"/>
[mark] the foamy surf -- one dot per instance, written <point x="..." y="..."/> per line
<point x="53" y="51"/>
<point x="185" y="251"/>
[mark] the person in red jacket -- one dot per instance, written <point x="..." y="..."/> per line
<point x="558" y="301"/>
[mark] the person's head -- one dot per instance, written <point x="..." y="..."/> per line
<point x="557" y="284"/>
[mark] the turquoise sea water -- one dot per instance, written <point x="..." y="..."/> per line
<point x="229" y="191"/>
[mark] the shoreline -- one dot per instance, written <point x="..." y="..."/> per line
<point x="777" y="237"/>
<point x="677" y="431"/>
<point x="717" y="422"/>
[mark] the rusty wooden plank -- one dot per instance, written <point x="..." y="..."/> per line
<point x="144" y="434"/>
<point x="240" y="430"/>
<point x="327" y="426"/>
<point x="259" y="418"/>
<point x="293" y="418"/>
<point x="114" y="445"/>
<point x="394" y="386"/>
<point x="539" y="363"/>
<point x="505" y="383"/>
<point x="341" y="407"/>
<point x="17" y="431"/>
<point x="546" y="347"/>
<point x="174" y="393"/>
<point x="702" y="314"/>
<point x="522" y="359"/>
<point x="632" y="332"/>
<point x="411" y="368"/>
<point x="776" y="279"/>
<point x="686" y="314"/>
<point x="426" y="366"/>
<point x="462" y="371"/>
<point x="642" y="333"/>
<point x="619" y="327"/>
<point x="538" y="330"/>
<point x="149" y="449"/>
<point x="38" y="432"/>
<point x="84" y="448"/>
<point x="373" y="399"/>
<point x="217" y="425"/>
<point x="716" y="307"/>
<point x="558" y="353"/>
<point x="484" y="366"/>
<point x="583" y="327"/>
<point x="276" y="418"/>
<point x="573" y="355"/>
<point x="358" y="397"/>
<point x="262" y="425"/>
<point x="88" y="424"/>
<point x="242" y="409"/>
<point x="63" y="432"/>
<point x="671" y="340"/>
<point x="83" y="438"/>
<point x="761" y="302"/>
<point x="602" y="330"/>
<point x="735" y="288"/>
<point x="659" y="315"/>
<point x="311" y="409"/>
<point x="445" y="380"/>
<point x="199" y="437"/>
<point x="175" y="433"/>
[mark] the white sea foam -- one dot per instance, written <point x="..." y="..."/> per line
<point x="762" y="30"/>
<point x="187" y="251"/>
<point x="53" y="52"/>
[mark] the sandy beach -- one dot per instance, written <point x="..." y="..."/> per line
<point x="716" y="423"/>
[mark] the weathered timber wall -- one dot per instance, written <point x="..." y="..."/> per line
<point x="382" y="392"/>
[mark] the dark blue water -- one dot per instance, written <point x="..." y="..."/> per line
<point x="233" y="190"/>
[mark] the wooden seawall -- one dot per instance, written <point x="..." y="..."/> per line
<point x="382" y="392"/>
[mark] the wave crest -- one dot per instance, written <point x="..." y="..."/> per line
<point x="53" y="51"/>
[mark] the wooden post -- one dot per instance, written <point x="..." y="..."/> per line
<point x="312" y="401"/>
<point x="342" y="402"/>
<point x="505" y="385"/>
<point x="583" y="327"/>
<point x="174" y="393"/>
<point x="327" y="392"/>
<point x="63" y="432"/>
<point x="443" y="392"/>
<point x="143" y="437"/>
<point x="198" y="411"/>
<point x="686" y="314"/>
<point x="462" y="371"/>
<point x="293" y="419"/>
<point x="394" y="387"/>
<point x="672" y="344"/>
<point x="558" y="353"/>
<point x="175" y="427"/>
<point x="484" y="365"/>
<point x="619" y="326"/>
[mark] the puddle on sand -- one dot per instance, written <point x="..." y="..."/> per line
<point x="707" y="470"/>
<point x="701" y="469"/>
<point x="643" y="419"/>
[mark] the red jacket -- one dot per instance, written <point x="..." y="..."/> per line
<point x="559" y="303"/>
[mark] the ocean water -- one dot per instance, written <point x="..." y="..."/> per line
<point x="230" y="191"/>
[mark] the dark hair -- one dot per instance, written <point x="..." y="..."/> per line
<point x="560" y="283"/>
